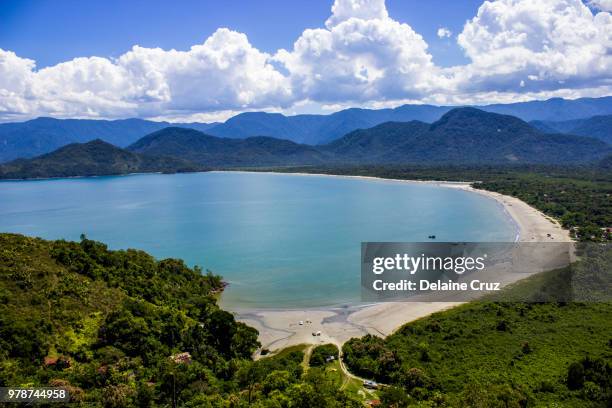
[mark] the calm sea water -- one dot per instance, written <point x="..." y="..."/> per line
<point x="279" y="240"/>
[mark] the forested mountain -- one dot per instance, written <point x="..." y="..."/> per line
<point x="464" y="135"/>
<point x="599" y="127"/>
<point x="43" y="135"/>
<point x="209" y="150"/>
<point x="91" y="159"/>
<point x="321" y="129"/>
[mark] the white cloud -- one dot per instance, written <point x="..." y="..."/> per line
<point x="225" y="72"/>
<point x="362" y="56"/>
<point x="554" y="43"/>
<point x="444" y="32"/>
<point x="15" y="76"/>
<point x="343" y="10"/>
<point x="603" y="5"/>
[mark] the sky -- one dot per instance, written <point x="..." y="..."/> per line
<point x="208" y="60"/>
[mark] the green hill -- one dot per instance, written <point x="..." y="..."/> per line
<point x="93" y="158"/>
<point x="209" y="150"/>
<point x="122" y="329"/>
<point x="79" y="314"/>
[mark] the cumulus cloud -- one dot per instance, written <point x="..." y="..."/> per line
<point x="344" y="10"/>
<point x="444" y="32"/>
<point x="553" y="43"/>
<point x="361" y="56"/>
<point x="225" y="72"/>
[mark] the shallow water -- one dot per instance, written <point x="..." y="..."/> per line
<point x="280" y="240"/>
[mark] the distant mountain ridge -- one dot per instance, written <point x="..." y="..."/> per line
<point x="461" y="136"/>
<point x="94" y="158"/>
<point x="599" y="127"/>
<point x="465" y="136"/>
<point x="321" y="129"/>
<point x="42" y="135"/>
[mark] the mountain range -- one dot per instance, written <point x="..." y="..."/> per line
<point x="42" y="135"/>
<point x="94" y="158"/>
<point x="599" y="126"/>
<point x="465" y="135"/>
<point x="461" y="136"/>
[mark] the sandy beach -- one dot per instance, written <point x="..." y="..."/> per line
<point x="282" y="328"/>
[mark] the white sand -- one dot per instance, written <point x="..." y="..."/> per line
<point x="280" y="328"/>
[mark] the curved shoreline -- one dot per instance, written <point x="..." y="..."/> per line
<point x="280" y="328"/>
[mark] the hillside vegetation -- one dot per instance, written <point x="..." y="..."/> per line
<point x="502" y="354"/>
<point x="121" y="329"/>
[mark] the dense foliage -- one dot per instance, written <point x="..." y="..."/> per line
<point x="582" y="206"/>
<point x="323" y="354"/>
<point x="95" y="158"/>
<point x="497" y="354"/>
<point x="120" y="329"/>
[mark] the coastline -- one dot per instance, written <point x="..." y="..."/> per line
<point x="280" y="328"/>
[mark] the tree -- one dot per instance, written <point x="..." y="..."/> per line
<point x="575" y="376"/>
<point x="394" y="397"/>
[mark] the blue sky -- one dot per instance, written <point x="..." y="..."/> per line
<point x="52" y="31"/>
<point x="209" y="60"/>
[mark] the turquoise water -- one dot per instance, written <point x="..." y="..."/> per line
<point x="280" y="240"/>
